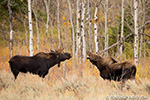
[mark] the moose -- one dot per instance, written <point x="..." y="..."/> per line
<point x="37" y="64"/>
<point x="112" y="70"/>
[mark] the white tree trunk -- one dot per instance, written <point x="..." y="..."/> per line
<point x="26" y="37"/>
<point x="47" y="13"/>
<point x="90" y="24"/>
<point x="58" y="25"/>
<point x="136" y="32"/>
<point x="30" y="28"/>
<point x="106" y="30"/>
<point x="95" y="29"/>
<point x="142" y="30"/>
<point x="78" y="34"/>
<point x="37" y="29"/>
<point x="52" y="39"/>
<point x="82" y="32"/>
<point x="36" y="19"/>
<point x="122" y="26"/>
<point x="11" y="29"/>
<point x="72" y="26"/>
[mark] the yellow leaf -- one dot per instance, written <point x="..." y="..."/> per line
<point x="63" y="18"/>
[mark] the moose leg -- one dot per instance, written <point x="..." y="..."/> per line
<point x="45" y="74"/>
<point x="15" y="72"/>
<point x="127" y="74"/>
<point x="58" y="64"/>
<point x="42" y="73"/>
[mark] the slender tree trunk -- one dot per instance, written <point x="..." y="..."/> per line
<point x="122" y="26"/>
<point x="36" y="19"/>
<point x="72" y="26"/>
<point x="37" y="29"/>
<point x="90" y="24"/>
<point x="11" y="29"/>
<point x="136" y="39"/>
<point x="47" y="13"/>
<point x="78" y="33"/>
<point x="30" y="28"/>
<point x="106" y="30"/>
<point x="58" y="25"/>
<point x="142" y="30"/>
<point x="26" y="37"/>
<point x="83" y="32"/>
<point x="52" y="39"/>
<point x="95" y="28"/>
<point x="117" y="41"/>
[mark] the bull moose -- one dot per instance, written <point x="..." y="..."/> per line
<point x="112" y="70"/>
<point x="37" y="64"/>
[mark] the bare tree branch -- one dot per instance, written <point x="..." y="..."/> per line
<point x="125" y="38"/>
<point x="147" y="42"/>
<point x="132" y="30"/>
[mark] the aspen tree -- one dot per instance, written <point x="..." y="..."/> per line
<point x="106" y="30"/>
<point x="90" y="24"/>
<point x="47" y="2"/>
<point x="11" y="29"/>
<point x="72" y="26"/>
<point x="83" y="32"/>
<point x="78" y="33"/>
<point x="95" y="28"/>
<point x="122" y="26"/>
<point x="136" y="38"/>
<point x="37" y="26"/>
<point x="58" y="25"/>
<point x="30" y="28"/>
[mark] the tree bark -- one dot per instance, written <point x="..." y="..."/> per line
<point x="52" y="39"/>
<point x="30" y="28"/>
<point x="58" y="25"/>
<point x="106" y="30"/>
<point x="83" y="32"/>
<point x="136" y="37"/>
<point x="72" y="26"/>
<point x="11" y="29"/>
<point x="90" y="24"/>
<point x="37" y="26"/>
<point x="142" y="30"/>
<point x="78" y="34"/>
<point x="37" y="29"/>
<point x="122" y="26"/>
<point x="95" y="28"/>
<point x="47" y="13"/>
<point x="26" y="37"/>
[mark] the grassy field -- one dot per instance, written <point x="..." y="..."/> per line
<point x="71" y="82"/>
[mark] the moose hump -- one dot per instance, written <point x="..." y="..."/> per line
<point x="37" y="64"/>
<point x="112" y="70"/>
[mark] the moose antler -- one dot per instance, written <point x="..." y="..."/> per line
<point x="51" y="50"/>
<point x="60" y="50"/>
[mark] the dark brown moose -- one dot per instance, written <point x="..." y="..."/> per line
<point x="111" y="69"/>
<point x="37" y="64"/>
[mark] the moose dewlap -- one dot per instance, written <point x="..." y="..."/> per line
<point x="37" y="64"/>
<point x="111" y="69"/>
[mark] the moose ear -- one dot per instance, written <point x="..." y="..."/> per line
<point x="114" y="60"/>
<point x="89" y="53"/>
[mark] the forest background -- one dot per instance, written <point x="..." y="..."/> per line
<point x="78" y="26"/>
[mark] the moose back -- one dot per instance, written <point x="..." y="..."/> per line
<point x="37" y="64"/>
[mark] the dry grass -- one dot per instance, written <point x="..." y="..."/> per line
<point x="71" y="86"/>
<point x="72" y="81"/>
